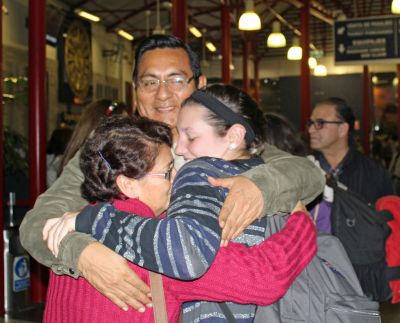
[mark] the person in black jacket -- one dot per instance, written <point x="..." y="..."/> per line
<point x="331" y="129"/>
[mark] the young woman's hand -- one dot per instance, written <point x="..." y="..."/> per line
<point x="302" y="208"/>
<point x="56" y="229"/>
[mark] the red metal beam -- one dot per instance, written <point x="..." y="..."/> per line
<point x="179" y="19"/>
<point x="245" y="56"/>
<point x="37" y="122"/>
<point x="226" y="43"/>
<point x="398" y="104"/>
<point x="257" y="79"/>
<point x="1" y="165"/>
<point x="305" y="69"/>
<point x="366" y="110"/>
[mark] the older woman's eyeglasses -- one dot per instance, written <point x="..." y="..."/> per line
<point x="320" y="123"/>
<point x="167" y="175"/>
<point x="174" y="83"/>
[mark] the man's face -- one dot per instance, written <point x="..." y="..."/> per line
<point x="330" y="133"/>
<point x="163" y="64"/>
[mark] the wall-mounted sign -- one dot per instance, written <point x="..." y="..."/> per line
<point x="367" y="40"/>
<point x="21" y="273"/>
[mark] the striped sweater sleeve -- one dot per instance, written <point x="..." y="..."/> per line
<point x="183" y="245"/>
<point x="262" y="274"/>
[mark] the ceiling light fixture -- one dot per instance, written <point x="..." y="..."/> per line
<point x="87" y="15"/>
<point x="396" y="6"/>
<point x="295" y="52"/>
<point x="249" y="20"/>
<point x="211" y="46"/>
<point x="147" y="14"/>
<point x="125" y="34"/>
<point x="158" y="30"/>
<point x="276" y="39"/>
<point x="195" y="32"/>
<point x="320" y="70"/>
<point x="4" y="9"/>
<point x="312" y="62"/>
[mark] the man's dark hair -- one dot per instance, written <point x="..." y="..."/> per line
<point x="343" y="111"/>
<point x="165" y="41"/>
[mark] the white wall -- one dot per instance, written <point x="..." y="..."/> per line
<point x="115" y="69"/>
<point x="15" y="33"/>
<point x="108" y="71"/>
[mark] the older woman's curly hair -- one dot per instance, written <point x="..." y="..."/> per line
<point x="120" y="145"/>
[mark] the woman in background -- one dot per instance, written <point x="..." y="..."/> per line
<point x="55" y="151"/>
<point x="91" y="117"/>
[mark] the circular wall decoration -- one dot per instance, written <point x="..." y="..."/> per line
<point x="78" y="59"/>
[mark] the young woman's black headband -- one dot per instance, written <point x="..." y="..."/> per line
<point x="224" y="112"/>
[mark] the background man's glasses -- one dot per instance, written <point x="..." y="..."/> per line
<point x="319" y="123"/>
<point x="174" y="83"/>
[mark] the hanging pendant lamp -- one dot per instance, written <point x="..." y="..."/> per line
<point x="276" y="39"/>
<point x="249" y="20"/>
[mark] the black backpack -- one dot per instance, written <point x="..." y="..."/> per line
<point x="363" y="232"/>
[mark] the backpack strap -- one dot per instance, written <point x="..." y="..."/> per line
<point x="384" y="216"/>
<point x="157" y="293"/>
<point x="396" y="159"/>
<point x="316" y="212"/>
<point x="227" y="312"/>
<point x="393" y="273"/>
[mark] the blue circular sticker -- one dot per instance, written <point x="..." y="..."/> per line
<point x="22" y="268"/>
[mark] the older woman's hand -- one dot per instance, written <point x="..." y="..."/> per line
<point x="56" y="229"/>
<point x="242" y="206"/>
<point x="110" y="274"/>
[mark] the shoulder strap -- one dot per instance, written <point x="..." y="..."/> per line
<point x="393" y="165"/>
<point x="227" y="312"/>
<point x="384" y="216"/>
<point x="393" y="273"/>
<point x="157" y="293"/>
<point x="316" y="212"/>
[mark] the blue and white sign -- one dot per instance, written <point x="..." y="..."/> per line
<point x="21" y="273"/>
<point x="367" y="40"/>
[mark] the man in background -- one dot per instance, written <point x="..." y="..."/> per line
<point x="331" y="129"/>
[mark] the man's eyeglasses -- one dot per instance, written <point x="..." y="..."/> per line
<point x="174" y="83"/>
<point x="167" y="175"/>
<point x="319" y="123"/>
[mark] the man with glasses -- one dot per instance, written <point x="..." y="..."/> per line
<point x="331" y="129"/>
<point x="166" y="72"/>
